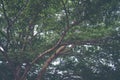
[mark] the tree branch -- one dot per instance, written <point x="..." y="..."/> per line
<point x="8" y="23"/>
<point x="100" y="41"/>
<point x="55" y="46"/>
<point x="51" y="49"/>
<point x="49" y="60"/>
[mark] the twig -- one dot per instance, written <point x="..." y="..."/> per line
<point x="66" y="12"/>
<point x="19" y="12"/>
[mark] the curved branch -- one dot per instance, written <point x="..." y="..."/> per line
<point x="49" y="60"/>
<point x="55" y="46"/>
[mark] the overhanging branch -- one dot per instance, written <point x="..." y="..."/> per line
<point x="99" y="41"/>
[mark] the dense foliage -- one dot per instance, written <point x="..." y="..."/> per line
<point x="72" y="39"/>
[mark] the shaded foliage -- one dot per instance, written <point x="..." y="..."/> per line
<point x="33" y="33"/>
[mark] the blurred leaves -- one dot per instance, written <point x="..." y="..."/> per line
<point x="36" y="25"/>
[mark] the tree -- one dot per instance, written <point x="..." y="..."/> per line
<point x="34" y="33"/>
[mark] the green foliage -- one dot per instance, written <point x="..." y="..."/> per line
<point x="29" y="27"/>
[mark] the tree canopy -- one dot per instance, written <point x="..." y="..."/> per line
<point x="59" y="39"/>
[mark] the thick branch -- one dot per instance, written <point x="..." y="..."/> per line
<point x="49" y="60"/>
<point x="57" y="44"/>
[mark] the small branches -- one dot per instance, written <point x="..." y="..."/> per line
<point x="8" y="34"/>
<point x="20" y="12"/>
<point x="5" y="14"/>
<point x="66" y="12"/>
<point x="8" y="23"/>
